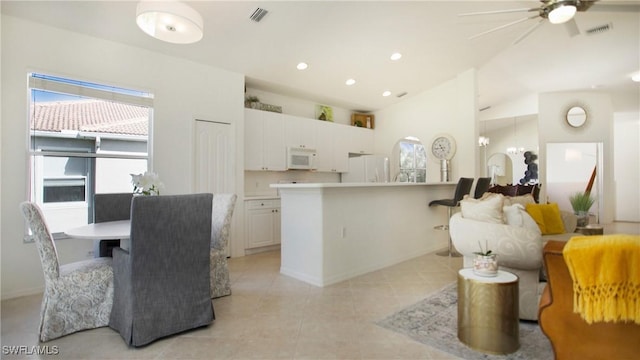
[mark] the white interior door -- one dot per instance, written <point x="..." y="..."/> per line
<point x="214" y="167"/>
<point x="214" y="170"/>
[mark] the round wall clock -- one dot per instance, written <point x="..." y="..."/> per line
<point x="443" y="147"/>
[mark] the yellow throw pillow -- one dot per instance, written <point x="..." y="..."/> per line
<point x="548" y="218"/>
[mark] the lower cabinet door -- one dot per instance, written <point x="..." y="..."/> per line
<point x="260" y="227"/>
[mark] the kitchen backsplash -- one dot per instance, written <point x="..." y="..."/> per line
<point x="256" y="183"/>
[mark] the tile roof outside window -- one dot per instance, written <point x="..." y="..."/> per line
<point x="91" y="115"/>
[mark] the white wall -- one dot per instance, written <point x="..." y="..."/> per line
<point x="626" y="137"/>
<point x="183" y="90"/>
<point x="449" y="108"/>
<point x="599" y="128"/>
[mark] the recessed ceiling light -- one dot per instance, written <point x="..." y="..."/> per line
<point x="386" y="93"/>
<point x="636" y="77"/>
<point x="350" y="82"/>
<point x="396" y="56"/>
<point x="302" y="66"/>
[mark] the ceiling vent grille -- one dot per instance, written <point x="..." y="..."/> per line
<point x="258" y="14"/>
<point x="599" y="29"/>
<point x="401" y="94"/>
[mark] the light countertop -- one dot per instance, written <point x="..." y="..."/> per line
<point x="347" y="185"/>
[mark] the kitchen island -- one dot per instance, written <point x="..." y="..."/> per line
<point x="335" y="231"/>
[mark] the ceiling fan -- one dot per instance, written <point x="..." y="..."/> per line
<point x="554" y="11"/>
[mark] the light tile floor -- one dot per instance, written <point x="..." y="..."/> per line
<point x="270" y="316"/>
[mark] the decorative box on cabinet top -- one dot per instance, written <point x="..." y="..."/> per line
<point x="363" y="120"/>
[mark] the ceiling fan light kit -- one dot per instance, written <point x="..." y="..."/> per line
<point x="561" y="13"/>
<point x="170" y="21"/>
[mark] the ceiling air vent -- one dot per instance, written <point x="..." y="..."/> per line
<point x="258" y="14"/>
<point x="402" y="94"/>
<point x="599" y="29"/>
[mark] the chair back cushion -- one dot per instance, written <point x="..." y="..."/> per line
<point x="112" y="207"/>
<point x="482" y="185"/>
<point x="162" y="284"/>
<point x="44" y="240"/>
<point x="223" y="205"/>
<point x="462" y="188"/>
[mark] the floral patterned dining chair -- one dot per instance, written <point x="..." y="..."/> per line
<point x="77" y="296"/>
<point x="223" y="205"/>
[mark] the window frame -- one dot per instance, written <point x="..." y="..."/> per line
<point x="89" y="90"/>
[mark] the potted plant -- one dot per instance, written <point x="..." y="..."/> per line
<point x="581" y="202"/>
<point x="251" y="101"/>
<point x="485" y="263"/>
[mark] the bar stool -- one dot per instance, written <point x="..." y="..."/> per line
<point x="463" y="188"/>
<point x="482" y="185"/>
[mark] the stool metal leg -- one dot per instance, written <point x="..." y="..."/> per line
<point x="451" y="251"/>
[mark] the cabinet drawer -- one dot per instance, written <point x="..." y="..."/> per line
<point x="263" y="204"/>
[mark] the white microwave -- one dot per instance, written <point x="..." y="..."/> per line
<point x="300" y="158"/>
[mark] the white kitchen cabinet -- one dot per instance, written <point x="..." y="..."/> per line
<point x="360" y="140"/>
<point x="300" y="132"/>
<point x="264" y="141"/>
<point x="332" y="150"/>
<point x="262" y="223"/>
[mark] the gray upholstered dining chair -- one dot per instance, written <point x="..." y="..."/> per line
<point x="161" y="283"/>
<point x="110" y="207"/>
<point x="77" y="296"/>
<point x="223" y="205"/>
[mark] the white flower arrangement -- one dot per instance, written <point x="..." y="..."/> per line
<point x="147" y="184"/>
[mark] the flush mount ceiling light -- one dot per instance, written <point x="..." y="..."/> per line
<point x="396" y="56"/>
<point x="350" y="82"/>
<point x="302" y="66"/>
<point x="386" y="93"/>
<point x="169" y="21"/>
<point x="562" y="12"/>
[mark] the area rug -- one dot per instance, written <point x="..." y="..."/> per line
<point x="433" y="321"/>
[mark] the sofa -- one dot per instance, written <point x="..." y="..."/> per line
<point x="517" y="245"/>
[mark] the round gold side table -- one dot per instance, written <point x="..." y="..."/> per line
<point x="488" y="311"/>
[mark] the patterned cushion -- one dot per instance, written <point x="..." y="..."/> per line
<point x="486" y="209"/>
<point x="515" y="215"/>
<point x="522" y="200"/>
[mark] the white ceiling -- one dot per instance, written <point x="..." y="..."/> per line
<point x="354" y="39"/>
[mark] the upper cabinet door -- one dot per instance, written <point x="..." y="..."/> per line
<point x="264" y="141"/>
<point x="360" y="140"/>
<point x="332" y="147"/>
<point x="300" y="132"/>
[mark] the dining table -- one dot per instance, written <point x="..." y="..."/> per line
<point x="108" y="230"/>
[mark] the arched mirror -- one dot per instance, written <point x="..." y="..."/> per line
<point x="576" y="116"/>
<point x="500" y="169"/>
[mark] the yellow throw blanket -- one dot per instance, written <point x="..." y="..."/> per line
<point x="606" y="277"/>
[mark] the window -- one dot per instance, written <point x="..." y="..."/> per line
<point x="84" y="138"/>
<point x="413" y="161"/>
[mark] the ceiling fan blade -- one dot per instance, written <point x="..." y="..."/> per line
<point x="503" y="26"/>
<point x="572" y="27"/>
<point x="529" y="31"/>
<point x="499" y="12"/>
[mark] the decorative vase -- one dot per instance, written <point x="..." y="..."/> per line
<point x="583" y="218"/>
<point x="485" y="265"/>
